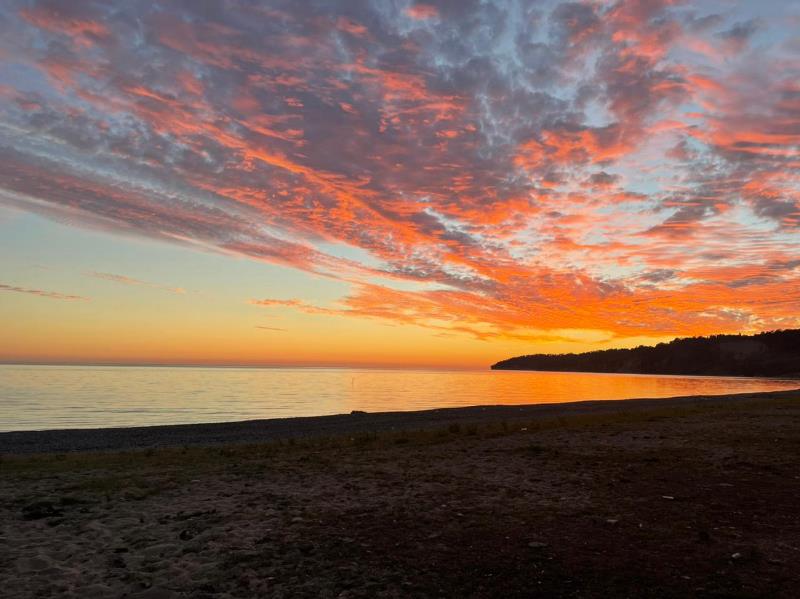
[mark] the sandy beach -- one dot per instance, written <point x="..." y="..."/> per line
<point x="685" y="497"/>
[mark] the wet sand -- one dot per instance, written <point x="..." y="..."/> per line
<point x="687" y="497"/>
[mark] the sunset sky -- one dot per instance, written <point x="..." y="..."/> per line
<point x="393" y="183"/>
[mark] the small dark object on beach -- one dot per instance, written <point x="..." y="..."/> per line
<point x="41" y="509"/>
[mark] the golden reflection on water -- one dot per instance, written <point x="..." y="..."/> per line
<point x="43" y="397"/>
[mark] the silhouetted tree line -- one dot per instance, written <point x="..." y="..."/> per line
<point x="774" y="353"/>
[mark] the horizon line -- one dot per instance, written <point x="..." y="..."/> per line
<point x="240" y="365"/>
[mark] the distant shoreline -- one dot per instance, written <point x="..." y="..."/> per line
<point x="278" y="429"/>
<point x="489" y="369"/>
<point x="763" y="355"/>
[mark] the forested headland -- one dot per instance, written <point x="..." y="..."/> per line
<point x="774" y="353"/>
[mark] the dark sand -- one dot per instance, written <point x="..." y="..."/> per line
<point x="689" y="497"/>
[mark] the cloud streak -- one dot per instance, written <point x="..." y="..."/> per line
<point x="131" y="281"/>
<point x="42" y="293"/>
<point x="270" y="328"/>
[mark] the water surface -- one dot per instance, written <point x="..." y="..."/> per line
<point x="49" y="397"/>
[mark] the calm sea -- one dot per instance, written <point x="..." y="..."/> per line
<point x="48" y="397"/>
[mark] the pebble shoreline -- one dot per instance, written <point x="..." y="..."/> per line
<point x="259" y="431"/>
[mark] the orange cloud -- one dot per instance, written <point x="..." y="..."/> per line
<point x="514" y="186"/>
<point x="422" y="12"/>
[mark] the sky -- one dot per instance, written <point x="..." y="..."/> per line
<point x="391" y="183"/>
